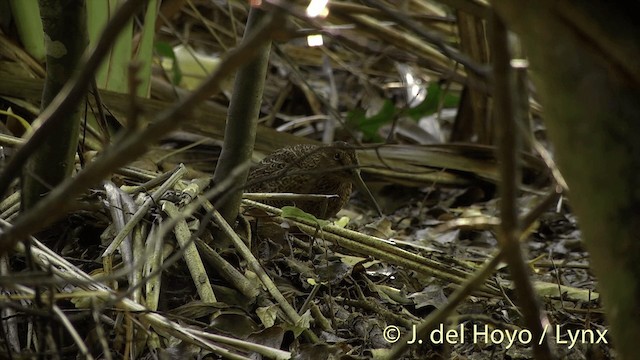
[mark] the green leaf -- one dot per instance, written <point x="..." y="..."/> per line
<point x="113" y="73"/>
<point x="165" y="50"/>
<point x="144" y="53"/>
<point x="436" y="98"/>
<point x="293" y="213"/>
<point x="26" y="14"/>
<point x="369" y="126"/>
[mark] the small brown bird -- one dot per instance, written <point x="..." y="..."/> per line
<point x="310" y="169"/>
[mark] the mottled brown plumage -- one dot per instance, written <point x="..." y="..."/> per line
<point x="308" y="169"/>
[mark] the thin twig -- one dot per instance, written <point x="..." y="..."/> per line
<point x="438" y="317"/>
<point x="508" y="233"/>
<point x="431" y="37"/>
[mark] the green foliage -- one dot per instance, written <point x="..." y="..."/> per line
<point x="144" y="51"/>
<point x="165" y="50"/>
<point x="436" y="99"/>
<point x="292" y="212"/>
<point x="26" y="14"/>
<point x="113" y="73"/>
<point x="369" y="126"/>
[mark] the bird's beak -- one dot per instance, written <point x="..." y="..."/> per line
<point x="359" y="183"/>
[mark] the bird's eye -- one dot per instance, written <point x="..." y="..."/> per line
<point x="336" y="156"/>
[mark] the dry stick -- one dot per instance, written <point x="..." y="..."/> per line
<point x="119" y="207"/>
<point x="508" y="231"/>
<point x="227" y="271"/>
<point x="143" y="210"/>
<point x="171" y="222"/>
<point x="438" y="317"/>
<point x="9" y="329"/>
<point x="380" y="249"/>
<point x="57" y="203"/>
<point x="77" y="339"/>
<point x="231" y="274"/>
<point x="101" y="118"/>
<point x="62" y="269"/>
<point x="537" y="211"/>
<point x="431" y="37"/>
<point x="69" y="96"/>
<point x="479" y="277"/>
<point x="361" y="9"/>
<point x="256" y="267"/>
<point x="191" y="255"/>
<point x="100" y="333"/>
